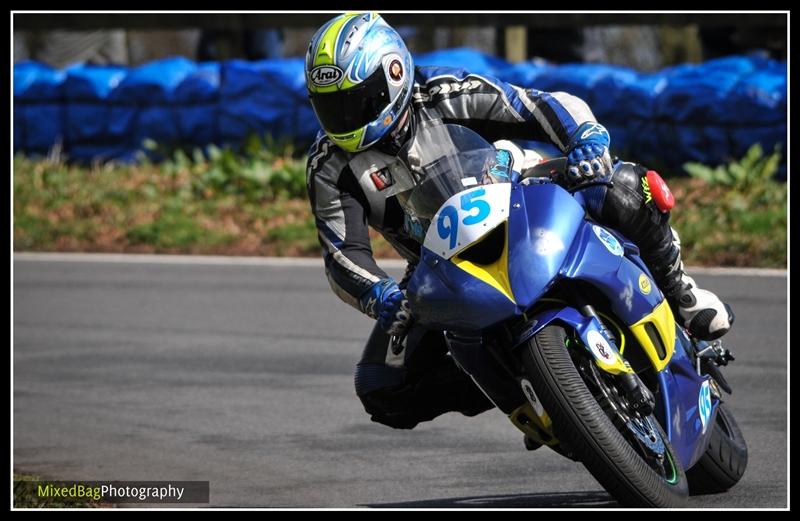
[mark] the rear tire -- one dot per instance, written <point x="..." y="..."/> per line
<point x="582" y="425"/>
<point x="725" y="460"/>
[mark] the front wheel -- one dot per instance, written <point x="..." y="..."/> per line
<point x="628" y="454"/>
<point x="725" y="460"/>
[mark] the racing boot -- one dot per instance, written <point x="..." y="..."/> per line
<point x="700" y="311"/>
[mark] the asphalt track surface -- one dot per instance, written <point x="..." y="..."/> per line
<point x="243" y="376"/>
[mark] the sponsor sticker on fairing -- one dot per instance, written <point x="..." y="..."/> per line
<point x="704" y="404"/>
<point x="600" y="347"/>
<point x="609" y="241"/>
<point x="644" y="284"/>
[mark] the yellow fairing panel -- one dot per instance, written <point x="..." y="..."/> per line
<point x="662" y="322"/>
<point x="495" y="274"/>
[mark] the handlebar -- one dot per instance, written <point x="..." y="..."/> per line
<point x="553" y="167"/>
<point x="590" y="184"/>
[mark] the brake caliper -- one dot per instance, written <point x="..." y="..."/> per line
<point x="639" y="396"/>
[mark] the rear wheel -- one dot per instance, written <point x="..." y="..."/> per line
<point x="628" y="454"/>
<point x="725" y="460"/>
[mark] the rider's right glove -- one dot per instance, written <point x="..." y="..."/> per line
<point x="587" y="154"/>
<point x="386" y="302"/>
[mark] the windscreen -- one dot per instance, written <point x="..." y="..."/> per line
<point x="441" y="161"/>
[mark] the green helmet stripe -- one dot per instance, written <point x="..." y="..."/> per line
<point x="346" y="84"/>
<point x="326" y="49"/>
<point x="349" y="141"/>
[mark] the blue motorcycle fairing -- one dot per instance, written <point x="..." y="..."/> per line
<point x="549" y="238"/>
<point x="679" y="384"/>
<point x="443" y="296"/>
<point x="678" y="395"/>
<point x="631" y="250"/>
<point x="555" y="220"/>
<point x="678" y="406"/>
<point x="542" y="225"/>
<point x="570" y="316"/>
<point x="615" y="275"/>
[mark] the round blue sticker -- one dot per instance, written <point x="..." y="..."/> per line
<point x="610" y="242"/>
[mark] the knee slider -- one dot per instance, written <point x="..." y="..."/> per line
<point x="390" y="406"/>
<point x="371" y="377"/>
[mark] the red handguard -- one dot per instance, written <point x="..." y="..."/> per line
<point x="660" y="191"/>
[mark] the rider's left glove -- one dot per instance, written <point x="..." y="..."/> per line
<point x="386" y="302"/>
<point x="587" y="154"/>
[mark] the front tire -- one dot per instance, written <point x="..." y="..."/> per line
<point x="589" y="432"/>
<point x="725" y="460"/>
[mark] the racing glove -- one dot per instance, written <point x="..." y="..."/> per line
<point x="387" y="303"/>
<point x="587" y="154"/>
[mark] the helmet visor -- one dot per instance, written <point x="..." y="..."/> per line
<point x="348" y="110"/>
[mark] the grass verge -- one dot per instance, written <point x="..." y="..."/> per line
<point x="223" y="204"/>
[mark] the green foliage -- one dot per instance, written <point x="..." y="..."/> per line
<point x="174" y="229"/>
<point x="302" y="236"/>
<point x="753" y="174"/>
<point x="201" y="200"/>
<point x="735" y="214"/>
<point x="750" y="181"/>
<point x="262" y="170"/>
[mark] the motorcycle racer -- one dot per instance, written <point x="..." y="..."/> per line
<point x="369" y="99"/>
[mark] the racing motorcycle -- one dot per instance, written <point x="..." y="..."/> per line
<point x="559" y="322"/>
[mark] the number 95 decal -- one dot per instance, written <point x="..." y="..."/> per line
<point x="466" y="217"/>
<point x="448" y="216"/>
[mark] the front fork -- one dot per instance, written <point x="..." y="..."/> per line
<point x="601" y="345"/>
<point x="639" y="396"/>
